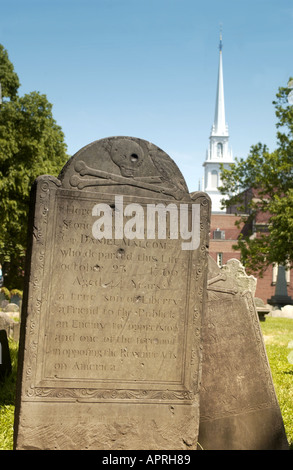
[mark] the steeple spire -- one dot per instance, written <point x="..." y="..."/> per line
<point x="219" y="152"/>
<point x="221" y="43"/>
<point x="220" y="127"/>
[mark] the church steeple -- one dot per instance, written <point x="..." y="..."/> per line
<point x="219" y="151"/>
<point x="220" y="127"/>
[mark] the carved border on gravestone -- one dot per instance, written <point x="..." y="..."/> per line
<point x="45" y="184"/>
<point x="261" y="347"/>
<point x="204" y="230"/>
<point x="104" y="394"/>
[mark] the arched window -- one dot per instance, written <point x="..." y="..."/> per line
<point x="220" y="150"/>
<point x="214" y="179"/>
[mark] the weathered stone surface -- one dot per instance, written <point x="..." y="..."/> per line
<point x="5" y="360"/>
<point x="3" y="303"/>
<point x="9" y="322"/>
<point x="238" y="404"/>
<point x="237" y="271"/>
<point x="6" y="323"/>
<point x="11" y="307"/>
<point x="110" y="349"/>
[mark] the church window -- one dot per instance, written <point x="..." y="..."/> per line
<point x="220" y="150"/>
<point x="219" y="234"/>
<point x="220" y="259"/>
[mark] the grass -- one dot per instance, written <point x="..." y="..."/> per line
<point x="7" y="400"/>
<point x="277" y="332"/>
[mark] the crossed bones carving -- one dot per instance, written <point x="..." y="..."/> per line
<point x="220" y="277"/>
<point x="108" y="179"/>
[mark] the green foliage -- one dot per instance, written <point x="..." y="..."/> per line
<point x="17" y="292"/>
<point x="8" y="78"/>
<point x="31" y="144"/>
<point x="268" y="176"/>
<point x="6" y="292"/>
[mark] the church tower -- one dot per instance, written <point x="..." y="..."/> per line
<point x="219" y="150"/>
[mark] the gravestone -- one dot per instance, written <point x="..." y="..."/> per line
<point x="9" y="323"/>
<point x="11" y="307"/>
<point x="2" y="297"/>
<point x="237" y="271"/>
<point x="6" y="323"/>
<point x="238" y="404"/>
<point x="5" y="360"/>
<point x="110" y="346"/>
<point x="16" y="299"/>
<point x="261" y="308"/>
<point x="281" y="297"/>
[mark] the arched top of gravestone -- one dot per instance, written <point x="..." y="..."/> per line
<point x="124" y="165"/>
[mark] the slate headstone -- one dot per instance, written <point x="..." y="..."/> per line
<point x="5" y="359"/>
<point x="110" y="346"/>
<point x="238" y="404"/>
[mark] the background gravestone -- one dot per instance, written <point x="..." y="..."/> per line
<point x="6" y="323"/>
<point x="5" y="360"/>
<point x="238" y="404"/>
<point x="281" y="297"/>
<point x="110" y="349"/>
<point x="2" y="299"/>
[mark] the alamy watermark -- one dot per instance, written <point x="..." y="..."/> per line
<point x="152" y="221"/>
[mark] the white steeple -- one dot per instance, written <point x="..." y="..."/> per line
<point x="219" y="151"/>
<point x="220" y="127"/>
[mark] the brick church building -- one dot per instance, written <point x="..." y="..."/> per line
<point x="224" y="233"/>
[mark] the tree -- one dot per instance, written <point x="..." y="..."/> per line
<point x="31" y="143"/>
<point x="268" y="176"/>
<point x="8" y="78"/>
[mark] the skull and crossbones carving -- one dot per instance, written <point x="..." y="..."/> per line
<point x="129" y="156"/>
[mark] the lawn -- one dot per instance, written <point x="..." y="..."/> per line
<point x="7" y="399"/>
<point x="278" y="334"/>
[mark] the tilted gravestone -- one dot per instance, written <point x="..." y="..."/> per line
<point x="238" y="404"/>
<point x="110" y="343"/>
<point x="5" y="359"/>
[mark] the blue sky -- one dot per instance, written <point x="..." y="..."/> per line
<point x="148" y="68"/>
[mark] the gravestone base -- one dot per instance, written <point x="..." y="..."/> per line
<point x="244" y="431"/>
<point x="100" y="426"/>
<point x="279" y="301"/>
